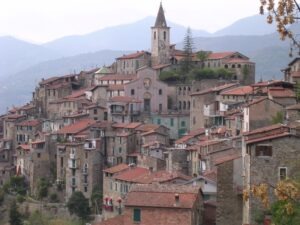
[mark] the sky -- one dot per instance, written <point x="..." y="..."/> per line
<point x="40" y="21"/>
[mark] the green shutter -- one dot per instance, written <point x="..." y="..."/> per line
<point x="136" y="215"/>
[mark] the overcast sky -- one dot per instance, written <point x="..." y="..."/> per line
<point x="44" y="20"/>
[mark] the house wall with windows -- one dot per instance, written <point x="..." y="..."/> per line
<point x="277" y="156"/>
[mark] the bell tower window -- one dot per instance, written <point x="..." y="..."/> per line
<point x="154" y="35"/>
<point x="165" y="35"/>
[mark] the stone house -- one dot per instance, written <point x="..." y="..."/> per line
<point x="149" y="90"/>
<point x="244" y="69"/>
<point x="7" y="167"/>
<point x="275" y="151"/>
<point x="177" y="122"/>
<point x="205" y="108"/>
<point x="229" y="190"/>
<point x="26" y="130"/>
<point x="284" y="96"/>
<point x="292" y="72"/>
<point x="167" y="204"/>
<point x="124" y="109"/>
<point x="260" y="112"/>
<point x="129" y="64"/>
<point x="116" y="79"/>
<point x="293" y="112"/>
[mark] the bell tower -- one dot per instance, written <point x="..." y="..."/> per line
<point x="160" y="39"/>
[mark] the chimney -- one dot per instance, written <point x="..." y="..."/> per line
<point x="176" y="199"/>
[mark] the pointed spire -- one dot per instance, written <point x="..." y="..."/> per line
<point x="160" y="19"/>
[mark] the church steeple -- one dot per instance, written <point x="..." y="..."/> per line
<point x="160" y="19"/>
<point x="160" y="39"/>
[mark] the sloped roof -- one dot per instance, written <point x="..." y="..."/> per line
<point x="162" y="196"/>
<point x="243" y="90"/>
<point x="117" y="168"/>
<point x="32" y="123"/>
<point x="77" y="127"/>
<point x="134" y="55"/>
<point x="220" y="55"/>
<point x="160" y="18"/>
<point x="280" y="92"/>
<point x="215" y="89"/>
<point x="132" y="174"/>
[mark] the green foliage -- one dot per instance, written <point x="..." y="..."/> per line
<point x="169" y="76"/>
<point x="187" y="61"/>
<point x="15" y="218"/>
<point x="20" y="198"/>
<point x="279" y="215"/>
<point x="16" y="185"/>
<point x="37" y="218"/>
<point x="42" y="188"/>
<point x="278" y="118"/>
<point x="96" y="197"/>
<point x="207" y="73"/>
<point x="79" y="205"/>
<point x="53" y="197"/>
<point x="2" y="194"/>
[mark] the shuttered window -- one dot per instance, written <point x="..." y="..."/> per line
<point x="136" y="215"/>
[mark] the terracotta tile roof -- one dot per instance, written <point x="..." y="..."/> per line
<point x="79" y="93"/>
<point x="122" y="134"/>
<point x="133" y="125"/>
<point x="265" y="129"/>
<point x="49" y="80"/>
<point x="184" y="139"/>
<point x="160" y="66"/>
<point x="125" y="99"/>
<point x="269" y="137"/>
<point x="24" y="147"/>
<point x="153" y="132"/>
<point x="116" y="87"/>
<point x="117" y="168"/>
<point x="77" y="127"/>
<point x="294" y="107"/>
<point x="102" y="124"/>
<point x="134" y="55"/>
<point x="32" y="123"/>
<point x="227" y="159"/>
<point x="132" y="174"/>
<point x="280" y="92"/>
<point x="14" y="116"/>
<point x="161" y="176"/>
<point x="161" y="196"/>
<point x="118" y="77"/>
<point x="243" y="90"/>
<point x="215" y="89"/>
<point x="197" y="132"/>
<point x="147" y="127"/>
<point x="220" y="55"/>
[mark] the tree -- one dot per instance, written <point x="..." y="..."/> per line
<point x="42" y="188"/>
<point x="187" y="61"/>
<point x="15" y="218"/>
<point x="202" y="56"/>
<point x="284" y="13"/>
<point x="37" y="218"/>
<point x="79" y="205"/>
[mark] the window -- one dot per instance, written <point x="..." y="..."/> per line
<point x="154" y="35"/>
<point x="95" y="111"/>
<point x="158" y="121"/>
<point x="160" y="91"/>
<point x="132" y="91"/>
<point x="120" y="150"/>
<point x="263" y="150"/>
<point x="39" y="155"/>
<point x="160" y="107"/>
<point x="116" y="187"/>
<point x="282" y="173"/>
<point x="182" y="123"/>
<point x="136" y="215"/>
<point x="85" y="189"/>
<point x="172" y="122"/>
<point x="194" y="120"/>
<point x="165" y="35"/>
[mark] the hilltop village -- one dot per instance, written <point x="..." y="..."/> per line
<point x="159" y="151"/>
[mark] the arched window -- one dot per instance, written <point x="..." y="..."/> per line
<point x="154" y="35"/>
<point x="160" y="91"/>
<point x="188" y="105"/>
<point x="239" y="65"/>
<point x="179" y="91"/>
<point x="184" y="89"/>
<point x="179" y="105"/>
<point x="184" y="105"/>
<point x="165" y="35"/>
<point x="233" y="66"/>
